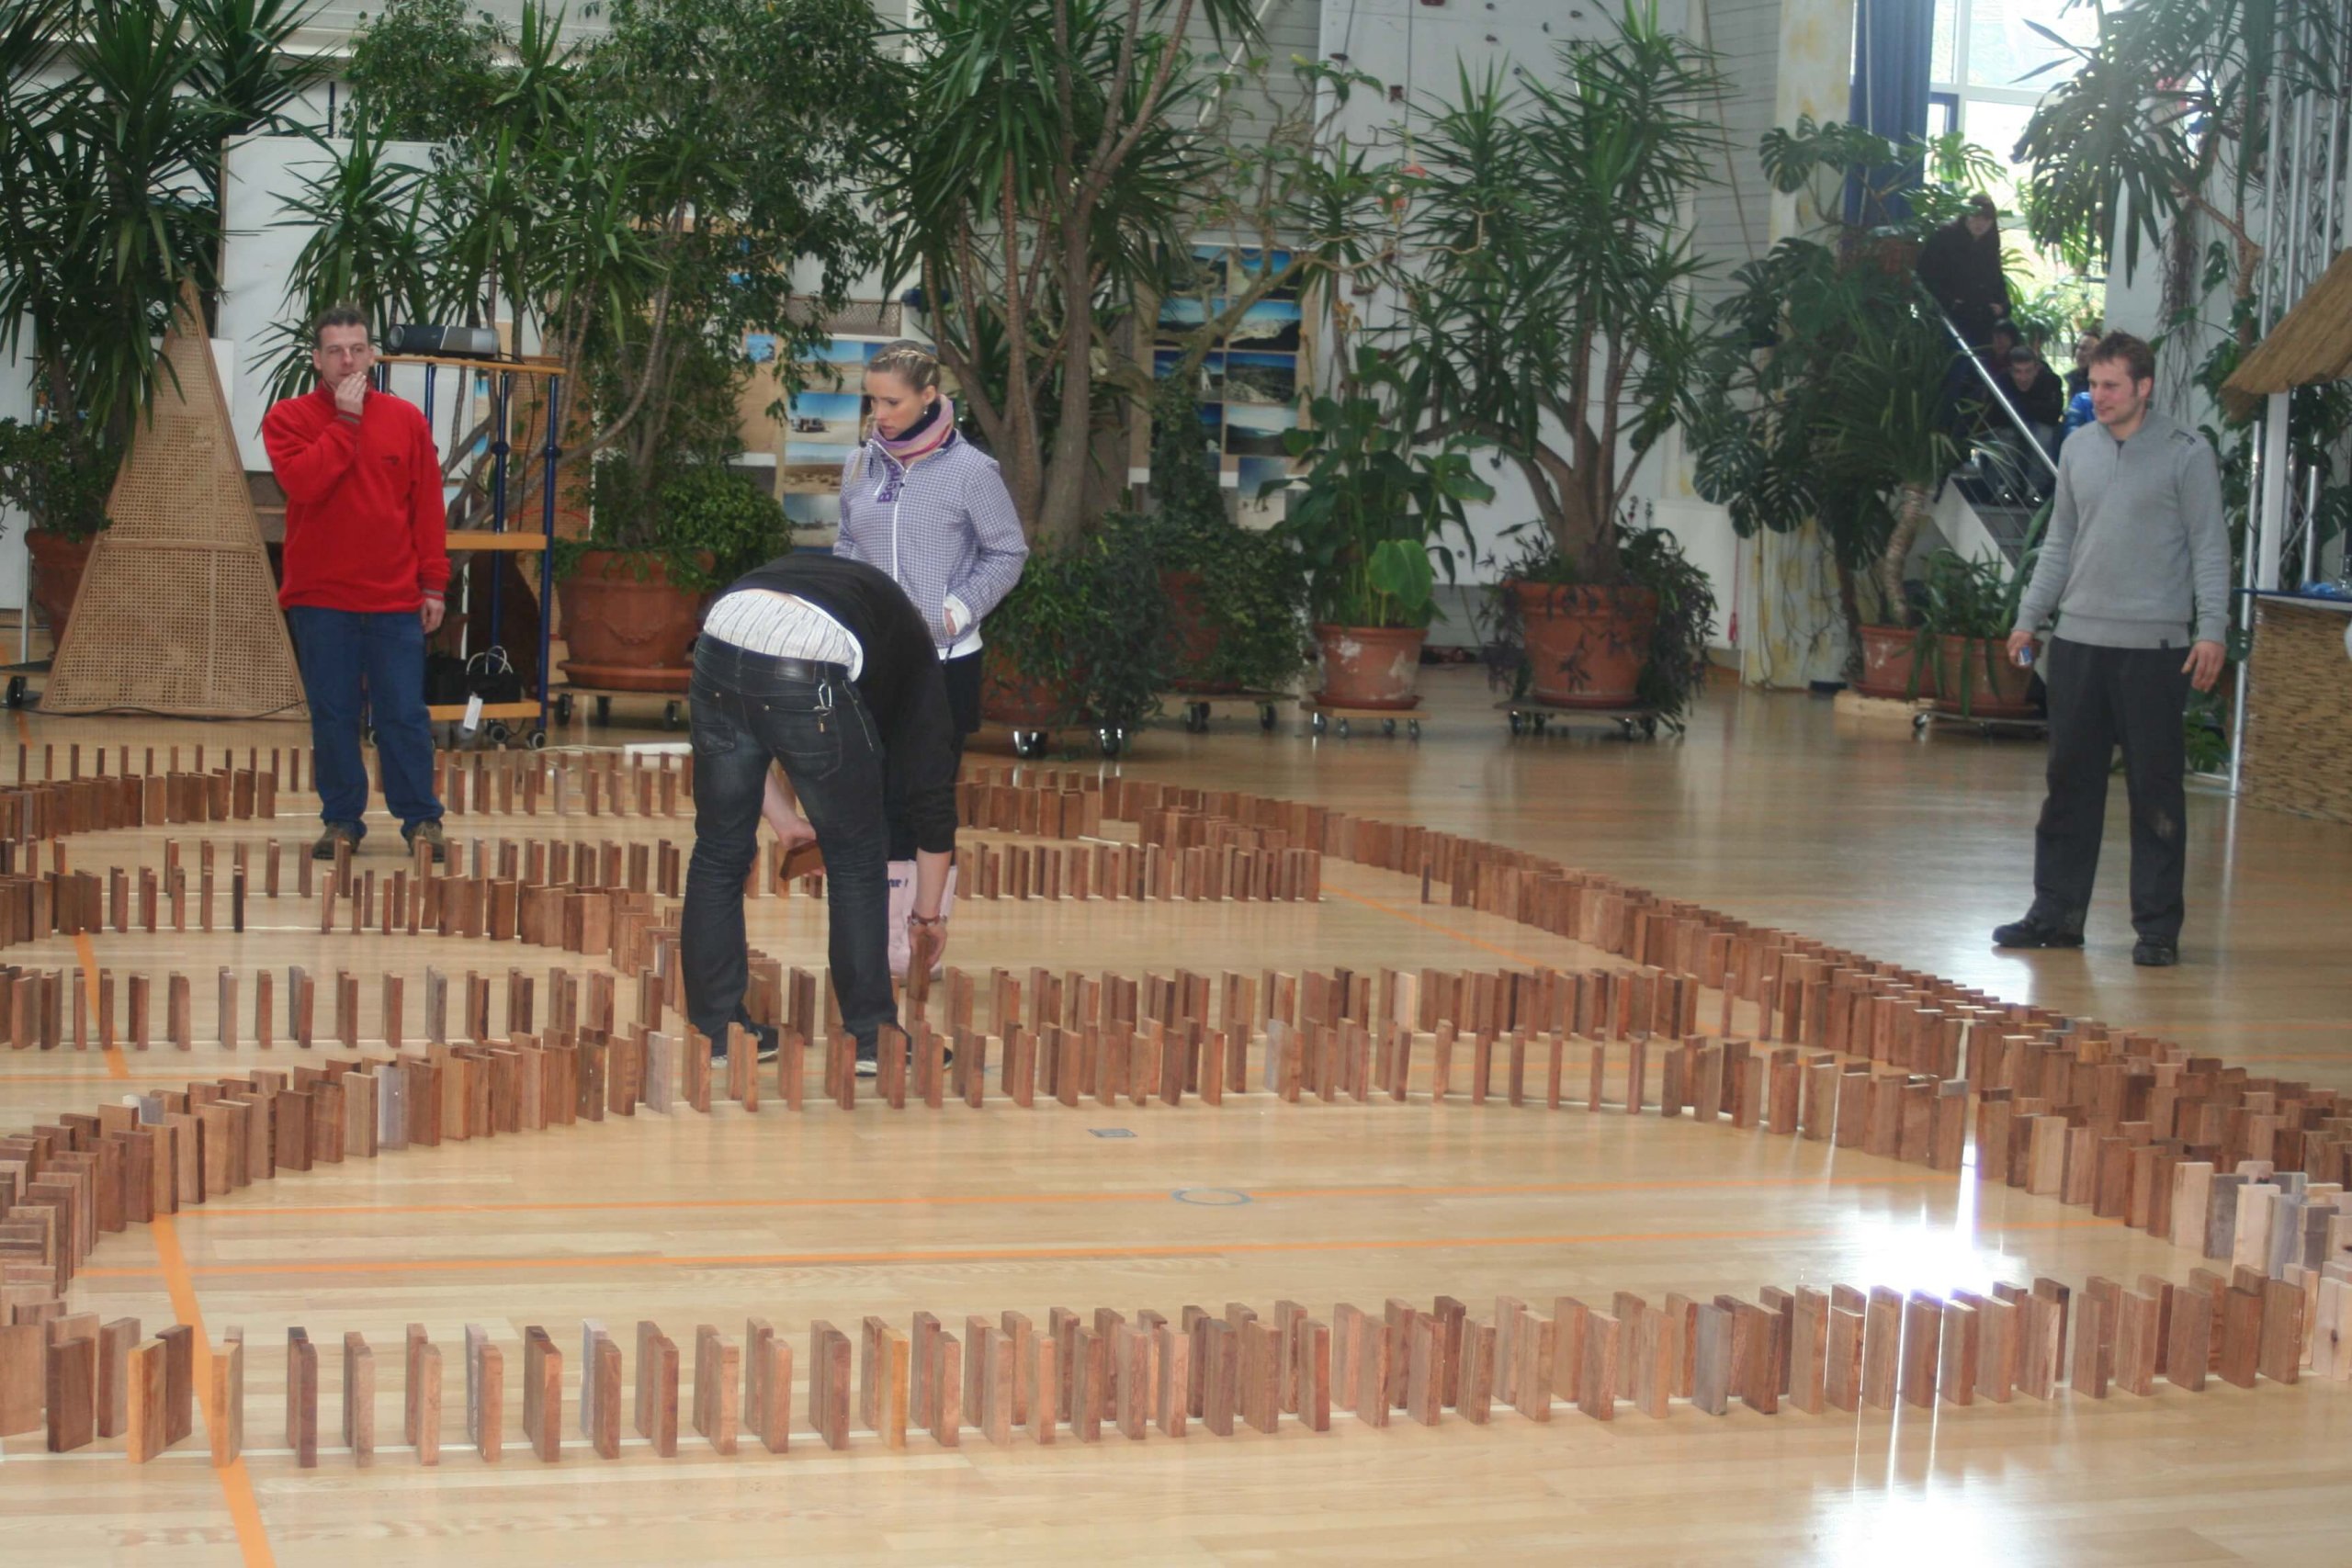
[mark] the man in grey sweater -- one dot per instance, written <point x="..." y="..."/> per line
<point x="2136" y="567"/>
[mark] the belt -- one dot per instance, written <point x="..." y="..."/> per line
<point x="776" y="664"/>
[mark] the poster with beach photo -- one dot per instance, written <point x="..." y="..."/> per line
<point x="1256" y="430"/>
<point x="1249" y="377"/>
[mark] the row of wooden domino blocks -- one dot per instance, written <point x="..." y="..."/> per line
<point x="1842" y="1350"/>
<point x="65" y="1185"/>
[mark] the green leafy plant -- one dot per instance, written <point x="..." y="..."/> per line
<point x="1976" y="599"/>
<point x="1375" y="505"/>
<point x="1055" y="161"/>
<point x="1551" y="311"/>
<point x="1252" y="584"/>
<point x="634" y="201"/>
<point x="113" y="114"/>
<point x="53" y="474"/>
<point x="1087" y="624"/>
<point x="1820" y="399"/>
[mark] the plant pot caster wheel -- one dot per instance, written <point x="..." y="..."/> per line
<point x="1919" y="722"/>
<point x="1317" y="723"/>
<point x="15" y="697"/>
<point x="1412" y="729"/>
<point x="672" y="716"/>
<point x="1028" y="744"/>
<point x="1266" y="716"/>
<point x="1196" y="717"/>
<point x="498" y="732"/>
<point x="1112" y="740"/>
<point x="538" y="740"/>
<point x="563" y="708"/>
<point x="604" y="710"/>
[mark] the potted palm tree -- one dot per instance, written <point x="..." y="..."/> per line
<point x="1372" y="519"/>
<point x="1552" y="314"/>
<point x="1821" y="398"/>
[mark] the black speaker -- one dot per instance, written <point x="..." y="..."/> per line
<point x="463" y="343"/>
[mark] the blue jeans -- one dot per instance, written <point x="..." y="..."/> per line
<point x="351" y="659"/>
<point x="746" y="714"/>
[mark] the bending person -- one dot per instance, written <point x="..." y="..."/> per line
<point x="822" y="666"/>
<point x="930" y="509"/>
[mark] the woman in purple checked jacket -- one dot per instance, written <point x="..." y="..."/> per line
<point x="922" y="504"/>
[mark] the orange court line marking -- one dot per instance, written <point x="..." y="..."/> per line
<point x="236" y="1485"/>
<point x="1001" y="1254"/>
<point x="1015" y="1199"/>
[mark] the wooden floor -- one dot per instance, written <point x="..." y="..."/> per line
<point x="1770" y="809"/>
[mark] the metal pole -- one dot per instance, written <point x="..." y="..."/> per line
<point x="2255" y="464"/>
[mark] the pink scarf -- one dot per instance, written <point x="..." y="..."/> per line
<point x="920" y="443"/>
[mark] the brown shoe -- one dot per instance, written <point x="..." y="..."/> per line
<point x="428" y="833"/>
<point x="337" y="834"/>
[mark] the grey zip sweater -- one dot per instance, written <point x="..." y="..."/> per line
<point x="2136" y="554"/>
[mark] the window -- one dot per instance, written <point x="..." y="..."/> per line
<point x="1988" y="67"/>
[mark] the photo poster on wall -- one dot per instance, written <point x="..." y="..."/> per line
<point x="823" y="423"/>
<point x="1249" y="386"/>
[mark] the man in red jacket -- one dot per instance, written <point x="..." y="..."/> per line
<point x="366" y="565"/>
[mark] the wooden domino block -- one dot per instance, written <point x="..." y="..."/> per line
<point x="359" y="1399"/>
<point x="225" y="1410"/>
<point x="2188" y="1346"/>
<point x="143" y="1381"/>
<point x="542" y="1394"/>
<point x="302" y="1398"/>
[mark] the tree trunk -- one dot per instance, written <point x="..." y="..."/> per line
<point x="1914" y="502"/>
<point x="1062" y="510"/>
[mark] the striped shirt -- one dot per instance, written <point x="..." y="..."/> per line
<point x="947" y="534"/>
<point x="783" y="627"/>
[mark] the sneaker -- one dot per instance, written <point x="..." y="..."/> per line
<point x="869" y="1061"/>
<point x="2150" y="953"/>
<point x="2034" y="931"/>
<point x="427" y="833"/>
<point x="770" y="1044"/>
<point x="337" y="834"/>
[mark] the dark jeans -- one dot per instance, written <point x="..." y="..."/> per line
<point x="963" y="680"/>
<point x="746" y="714"/>
<point x="2099" y="698"/>
<point x="351" y="659"/>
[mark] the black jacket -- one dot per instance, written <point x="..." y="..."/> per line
<point x="1964" y="275"/>
<point x="2044" y="402"/>
<point x="900" y="682"/>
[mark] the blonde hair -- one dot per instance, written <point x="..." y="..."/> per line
<point x="909" y="361"/>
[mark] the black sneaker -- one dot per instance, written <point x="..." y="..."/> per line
<point x="337" y="834"/>
<point x="2150" y="953"/>
<point x="869" y="1061"/>
<point x="2034" y="931"/>
<point x="771" y="1046"/>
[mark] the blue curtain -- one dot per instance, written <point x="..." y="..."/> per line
<point x="1892" y="39"/>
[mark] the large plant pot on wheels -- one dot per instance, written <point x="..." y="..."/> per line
<point x="1888" y="658"/>
<point x="1032" y="708"/>
<point x="58" y="561"/>
<point x="1974" y="676"/>
<point x="627" y="626"/>
<point x="1586" y="647"/>
<point x="1370" y="667"/>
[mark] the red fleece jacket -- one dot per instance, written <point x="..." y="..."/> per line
<point x="364" y="527"/>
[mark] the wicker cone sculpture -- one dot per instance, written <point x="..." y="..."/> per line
<point x="176" y="613"/>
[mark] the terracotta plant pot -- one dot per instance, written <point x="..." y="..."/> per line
<point x="1370" y="667"/>
<point x="1586" y="647"/>
<point x="57" y="564"/>
<point x="626" y="633"/>
<point x="1011" y="698"/>
<point x="1998" y="692"/>
<point x="1188" y="626"/>
<point x="1886" y="664"/>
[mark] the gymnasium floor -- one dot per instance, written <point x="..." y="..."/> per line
<point x="1769" y="810"/>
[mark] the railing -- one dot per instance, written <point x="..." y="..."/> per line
<point x="2012" y="466"/>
